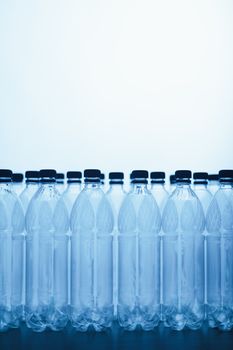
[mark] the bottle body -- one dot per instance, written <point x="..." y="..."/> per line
<point x="183" y="264"/>
<point x="219" y="225"/>
<point x="91" y="260"/>
<point x="115" y="196"/>
<point x="139" y="266"/>
<point x="46" y="256"/>
<point x="161" y="196"/>
<point x="11" y="258"/>
<point x="25" y="197"/>
<point x="69" y="196"/>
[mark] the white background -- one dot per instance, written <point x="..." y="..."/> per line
<point x="116" y="84"/>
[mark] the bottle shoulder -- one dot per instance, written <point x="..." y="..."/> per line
<point x="183" y="212"/>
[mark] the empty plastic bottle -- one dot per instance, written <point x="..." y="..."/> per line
<point x="219" y="225"/>
<point x="183" y="256"/>
<point x="200" y="188"/>
<point x="11" y="253"/>
<point x="161" y="196"/>
<point x="68" y="197"/>
<point x="139" y="282"/>
<point x="115" y="195"/>
<point x="47" y="224"/>
<point x="213" y="183"/>
<point x="91" y="257"/>
<point x="60" y="182"/>
<point x="17" y="181"/>
<point x="32" y="185"/>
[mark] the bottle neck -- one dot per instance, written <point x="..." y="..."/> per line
<point x="5" y="185"/>
<point x="48" y="184"/>
<point x="116" y="187"/>
<point x="32" y="183"/>
<point x="157" y="185"/>
<point x="92" y="185"/>
<point x="182" y="185"/>
<point x="199" y="186"/>
<point x="139" y="187"/>
<point x="73" y="186"/>
<point x="226" y="185"/>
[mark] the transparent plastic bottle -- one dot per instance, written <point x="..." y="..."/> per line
<point x="32" y="185"/>
<point x="183" y="254"/>
<point x="91" y="257"/>
<point x="213" y="183"/>
<point x="115" y="196"/>
<point x="219" y="225"/>
<point x="47" y="224"/>
<point x="161" y="195"/>
<point x="17" y="182"/>
<point x="69" y="196"/>
<point x="11" y="253"/>
<point x="60" y="182"/>
<point x="138" y="275"/>
<point x="204" y="195"/>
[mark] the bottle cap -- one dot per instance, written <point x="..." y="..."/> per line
<point x="5" y="175"/>
<point x="157" y="175"/>
<point x="213" y="177"/>
<point x="139" y="176"/>
<point x="92" y="173"/>
<point x="32" y="174"/>
<point x="183" y="176"/>
<point x="200" y="176"/>
<point x="172" y="179"/>
<point x="116" y="176"/>
<point x="49" y="173"/>
<point x="74" y="175"/>
<point x="60" y="176"/>
<point x="226" y="175"/>
<point x="17" y="177"/>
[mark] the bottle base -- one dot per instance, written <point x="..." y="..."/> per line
<point x="144" y="317"/>
<point x="87" y="319"/>
<point x="179" y="319"/>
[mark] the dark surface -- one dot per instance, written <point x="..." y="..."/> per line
<point x="160" y="338"/>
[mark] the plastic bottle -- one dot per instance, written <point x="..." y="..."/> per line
<point x="47" y="224"/>
<point x="18" y="185"/>
<point x="213" y="183"/>
<point x="69" y="196"/>
<point x="91" y="257"/>
<point x="183" y="256"/>
<point x="219" y="225"/>
<point x="115" y="196"/>
<point x="200" y="188"/>
<point x="161" y="196"/>
<point x="11" y="253"/>
<point x="139" y="225"/>
<point x="32" y="185"/>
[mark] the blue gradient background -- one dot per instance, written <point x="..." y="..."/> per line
<point x="116" y="84"/>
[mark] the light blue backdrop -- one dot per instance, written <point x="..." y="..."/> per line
<point x="116" y="84"/>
